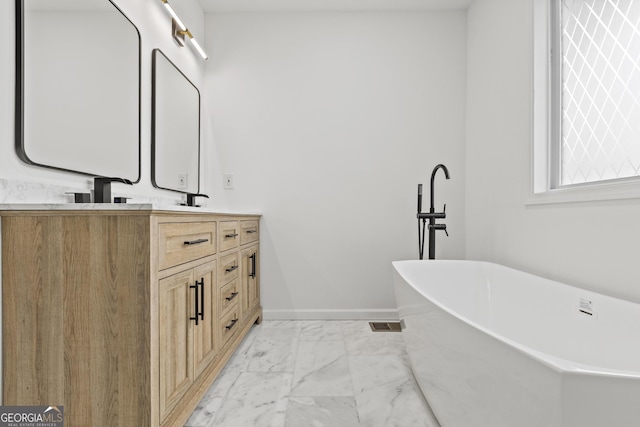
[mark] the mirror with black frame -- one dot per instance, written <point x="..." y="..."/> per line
<point x="78" y="87"/>
<point x="175" y="128"/>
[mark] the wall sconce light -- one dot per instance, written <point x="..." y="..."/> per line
<point x="179" y="30"/>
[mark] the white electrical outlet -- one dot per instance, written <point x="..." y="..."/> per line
<point x="228" y="181"/>
<point x="183" y="180"/>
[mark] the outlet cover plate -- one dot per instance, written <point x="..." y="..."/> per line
<point x="228" y="181"/>
<point x="183" y="180"/>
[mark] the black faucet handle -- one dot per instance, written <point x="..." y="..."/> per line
<point x="442" y="227"/>
<point x="80" y="197"/>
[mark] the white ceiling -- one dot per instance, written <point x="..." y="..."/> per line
<point x="328" y="5"/>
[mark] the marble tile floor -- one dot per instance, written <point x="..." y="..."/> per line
<point x="315" y="373"/>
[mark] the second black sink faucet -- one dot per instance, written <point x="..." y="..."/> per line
<point x="432" y="215"/>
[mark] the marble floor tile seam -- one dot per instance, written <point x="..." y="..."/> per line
<point x="366" y="349"/>
<point x="318" y="395"/>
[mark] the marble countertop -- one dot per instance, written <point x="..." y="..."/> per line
<point x="117" y="207"/>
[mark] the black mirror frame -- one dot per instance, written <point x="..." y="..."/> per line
<point x="19" y="93"/>
<point x="154" y="82"/>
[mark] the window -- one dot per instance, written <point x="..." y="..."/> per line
<point x="589" y="113"/>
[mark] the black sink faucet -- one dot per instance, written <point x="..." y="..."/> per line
<point x="102" y="188"/>
<point x="191" y="199"/>
<point x="432" y="215"/>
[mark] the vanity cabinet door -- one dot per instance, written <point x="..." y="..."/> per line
<point x="176" y="310"/>
<point x="206" y="332"/>
<point x="250" y="279"/>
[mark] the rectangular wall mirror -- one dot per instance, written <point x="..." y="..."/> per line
<point x="175" y="126"/>
<point x="78" y="87"/>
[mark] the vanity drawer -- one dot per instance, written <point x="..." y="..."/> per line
<point x="229" y="295"/>
<point x="229" y="266"/>
<point x="248" y="231"/>
<point x="228" y="234"/>
<point x="181" y="242"/>
<point x="229" y="322"/>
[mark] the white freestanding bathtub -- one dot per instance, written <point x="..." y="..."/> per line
<point x="495" y="347"/>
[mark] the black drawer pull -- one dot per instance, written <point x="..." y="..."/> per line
<point x="251" y="231"/>
<point x="230" y="269"/>
<point x="231" y="325"/>
<point x="232" y="296"/>
<point x="196" y="242"/>
<point x="231" y="236"/>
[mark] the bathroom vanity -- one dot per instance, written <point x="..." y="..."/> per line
<point x="123" y="314"/>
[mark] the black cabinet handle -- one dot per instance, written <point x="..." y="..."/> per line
<point x="253" y="265"/>
<point x="196" y="242"/>
<point x="231" y="236"/>
<point x="231" y="325"/>
<point x="251" y="231"/>
<point x="201" y="284"/>
<point x="197" y="303"/>
<point x="230" y="269"/>
<point x="232" y="296"/>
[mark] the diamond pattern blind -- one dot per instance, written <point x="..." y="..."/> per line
<point x="600" y="90"/>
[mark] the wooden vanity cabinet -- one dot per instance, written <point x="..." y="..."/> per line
<point x="100" y="311"/>
<point x="250" y="279"/>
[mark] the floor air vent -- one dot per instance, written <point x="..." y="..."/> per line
<point x="385" y="326"/>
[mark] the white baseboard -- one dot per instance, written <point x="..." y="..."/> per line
<point x="390" y="314"/>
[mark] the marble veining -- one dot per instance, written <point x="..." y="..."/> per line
<point x="23" y="195"/>
<point x="16" y="192"/>
<point x="323" y="373"/>
<point x="273" y="350"/>
<point x="322" y="411"/>
<point x="315" y="373"/>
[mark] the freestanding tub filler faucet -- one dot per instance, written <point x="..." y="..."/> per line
<point x="432" y="215"/>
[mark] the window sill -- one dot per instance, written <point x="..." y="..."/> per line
<point x="588" y="193"/>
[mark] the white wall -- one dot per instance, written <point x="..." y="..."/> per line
<point x="22" y="182"/>
<point x="328" y="122"/>
<point x="592" y="245"/>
